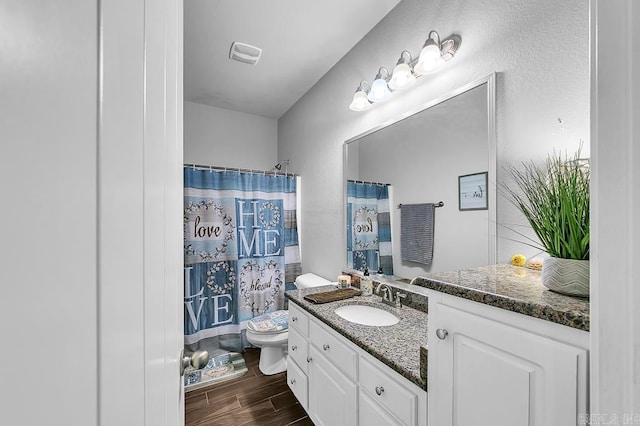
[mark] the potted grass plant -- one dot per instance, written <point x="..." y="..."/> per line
<point x="554" y="198"/>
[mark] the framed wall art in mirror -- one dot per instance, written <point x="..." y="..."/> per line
<point x="473" y="191"/>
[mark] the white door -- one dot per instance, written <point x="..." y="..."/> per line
<point x="139" y="213"/>
<point x="91" y="183"/>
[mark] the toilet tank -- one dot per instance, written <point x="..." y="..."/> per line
<point x="309" y="280"/>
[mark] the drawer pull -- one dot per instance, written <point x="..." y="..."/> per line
<point x="293" y="381"/>
<point x="325" y="346"/>
<point x="379" y="390"/>
<point x="442" y="333"/>
<point x="294" y="319"/>
<point x="294" y="347"/>
<point x="309" y="359"/>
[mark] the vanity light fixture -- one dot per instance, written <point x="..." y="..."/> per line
<point x="379" y="90"/>
<point x="360" y="101"/>
<point x="402" y="76"/>
<point x="432" y="57"/>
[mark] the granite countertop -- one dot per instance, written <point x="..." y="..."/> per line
<point x="513" y="288"/>
<point x="398" y="346"/>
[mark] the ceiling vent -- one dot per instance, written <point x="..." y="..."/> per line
<point x="243" y="52"/>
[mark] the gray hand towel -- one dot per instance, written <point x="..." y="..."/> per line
<point x="416" y="232"/>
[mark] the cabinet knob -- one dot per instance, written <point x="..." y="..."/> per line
<point x="309" y="359"/>
<point x="379" y="390"/>
<point x="294" y="319"/>
<point x="325" y="346"/>
<point x="294" y="347"/>
<point x="442" y="333"/>
<point x="293" y="381"/>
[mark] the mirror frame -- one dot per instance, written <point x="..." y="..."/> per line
<point x="490" y="81"/>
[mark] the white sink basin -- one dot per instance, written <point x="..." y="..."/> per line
<point x="366" y="315"/>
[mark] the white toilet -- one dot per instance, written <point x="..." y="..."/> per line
<point x="270" y="331"/>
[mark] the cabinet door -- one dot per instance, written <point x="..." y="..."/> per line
<point x="488" y="373"/>
<point x="371" y="413"/>
<point x="388" y="393"/>
<point x="332" y="396"/>
<point x="297" y="381"/>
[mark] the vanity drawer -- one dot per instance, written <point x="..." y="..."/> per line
<point x="297" y="381"/>
<point x="298" y="349"/>
<point x="388" y="392"/>
<point x="337" y="353"/>
<point x="298" y="319"/>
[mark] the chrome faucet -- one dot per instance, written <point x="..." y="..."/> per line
<point x="387" y="296"/>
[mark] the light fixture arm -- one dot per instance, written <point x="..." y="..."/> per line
<point x="383" y="70"/>
<point x="361" y="86"/>
<point x="403" y="60"/>
<point x="434" y="39"/>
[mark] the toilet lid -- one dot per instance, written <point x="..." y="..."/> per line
<point x="271" y="322"/>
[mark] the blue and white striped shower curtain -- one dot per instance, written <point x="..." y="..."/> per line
<point x="368" y="227"/>
<point x="240" y="251"/>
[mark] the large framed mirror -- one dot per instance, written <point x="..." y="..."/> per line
<point x="436" y="153"/>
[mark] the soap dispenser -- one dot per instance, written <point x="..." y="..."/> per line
<point x="366" y="285"/>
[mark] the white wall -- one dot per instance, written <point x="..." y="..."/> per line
<point x="48" y="112"/>
<point x="220" y="137"/>
<point x="540" y="50"/>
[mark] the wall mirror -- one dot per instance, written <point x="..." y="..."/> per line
<point x="417" y="159"/>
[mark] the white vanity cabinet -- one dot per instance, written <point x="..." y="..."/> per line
<point x="344" y="385"/>
<point x="488" y="366"/>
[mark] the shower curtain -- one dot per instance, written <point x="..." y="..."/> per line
<point x="368" y="227"/>
<point x="240" y="253"/>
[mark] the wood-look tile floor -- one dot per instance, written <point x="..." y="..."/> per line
<point x="253" y="399"/>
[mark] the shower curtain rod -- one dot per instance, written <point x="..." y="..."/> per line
<point x="236" y="169"/>
<point x="366" y="182"/>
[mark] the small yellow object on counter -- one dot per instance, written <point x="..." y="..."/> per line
<point x="534" y="264"/>
<point x="518" y="260"/>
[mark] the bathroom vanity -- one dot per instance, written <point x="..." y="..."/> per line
<point x="503" y="350"/>
<point x="345" y="373"/>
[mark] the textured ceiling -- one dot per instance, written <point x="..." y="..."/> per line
<point x="300" y="41"/>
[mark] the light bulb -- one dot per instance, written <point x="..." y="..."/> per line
<point x="360" y="101"/>
<point x="429" y="66"/>
<point x="379" y="90"/>
<point x="430" y="59"/>
<point x="402" y="77"/>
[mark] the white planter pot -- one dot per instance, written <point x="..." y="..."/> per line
<point x="566" y="276"/>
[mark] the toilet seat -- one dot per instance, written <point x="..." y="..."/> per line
<point x="267" y="339"/>
<point x="270" y="323"/>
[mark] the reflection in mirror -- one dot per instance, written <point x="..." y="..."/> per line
<point x="416" y="162"/>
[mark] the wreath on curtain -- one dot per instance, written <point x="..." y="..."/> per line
<point x="275" y="211"/>
<point x="227" y="222"/>
<point x="226" y="286"/>
<point x="249" y="270"/>
<point x="360" y="260"/>
<point x="358" y="243"/>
